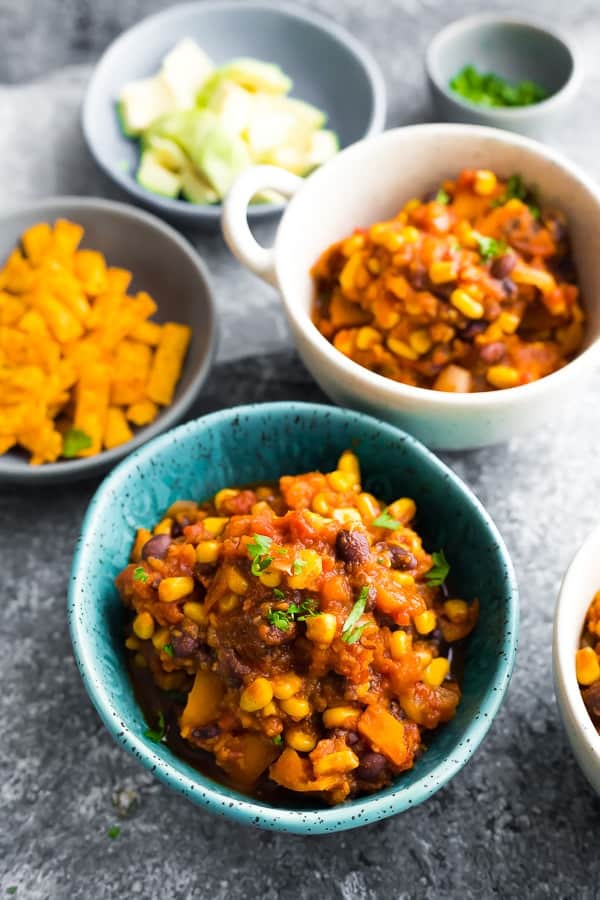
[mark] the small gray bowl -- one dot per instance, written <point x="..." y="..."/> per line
<point x="162" y="263"/>
<point x="328" y="66"/>
<point x="515" y="49"/>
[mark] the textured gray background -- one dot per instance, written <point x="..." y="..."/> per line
<point x="519" y="820"/>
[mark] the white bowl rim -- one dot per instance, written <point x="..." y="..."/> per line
<point x="510" y="113"/>
<point x="199" y="211"/>
<point x="566" y="685"/>
<point x="394" y="392"/>
<point x="90" y="466"/>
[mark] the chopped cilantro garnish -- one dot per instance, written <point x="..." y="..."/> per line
<point x="278" y="739"/>
<point x="302" y="612"/>
<point x="11" y="890"/>
<point x="381" y="560"/>
<point x="350" y="631"/>
<point x="140" y="574"/>
<point x="384" y="520"/>
<point x="298" y="565"/>
<point x="75" y="440"/>
<point x="442" y="197"/>
<point x="489" y="89"/>
<point x="279" y="594"/>
<point x="258" y="552"/>
<point x="489" y="247"/>
<point x="439" y="570"/>
<point x="113" y="832"/>
<point x="280" y="619"/>
<point x="156" y="734"/>
<point x="168" y="649"/>
<point x="516" y="190"/>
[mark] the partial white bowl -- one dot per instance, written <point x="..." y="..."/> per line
<point x="371" y="181"/>
<point x="581" y="582"/>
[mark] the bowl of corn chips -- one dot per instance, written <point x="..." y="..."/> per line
<point x="107" y="332"/>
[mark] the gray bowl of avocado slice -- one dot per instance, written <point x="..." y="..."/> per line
<point x="182" y="102"/>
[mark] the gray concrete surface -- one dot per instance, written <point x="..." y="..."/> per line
<point x="519" y="820"/>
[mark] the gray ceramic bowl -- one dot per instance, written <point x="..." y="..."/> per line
<point x="328" y="66"/>
<point x="515" y="49"/>
<point x="162" y="263"/>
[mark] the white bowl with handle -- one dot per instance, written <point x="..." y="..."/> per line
<point x="580" y="584"/>
<point x="370" y="181"/>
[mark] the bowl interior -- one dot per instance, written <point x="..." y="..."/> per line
<point x="372" y="181"/>
<point x="514" y="50"/>
<point x="262" y="442"/>
<point x="325" y="70"/>
<point x="163" y="265"/>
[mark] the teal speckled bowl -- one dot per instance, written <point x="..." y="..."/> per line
<point x="261" y="442"/>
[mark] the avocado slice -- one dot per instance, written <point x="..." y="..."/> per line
<point x="141" y="102"/>
<point x="256" y="76"/>
<point x="196" y="188"/>
<point x="155" y="177"/>
<point x="184" y="70"/>
<point x="168" y="154"/>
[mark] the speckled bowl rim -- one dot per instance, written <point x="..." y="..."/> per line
<point x="197" y="787"/>
<point x="71" y="470"/>
<point x="196" y="212"/>
<point x="509" y="114"/>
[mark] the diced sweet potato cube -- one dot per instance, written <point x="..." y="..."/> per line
<point x="203" y="703"/>
<point x="60" y="320"/>
<point x="66" y="237"/>
<point x="118" y="280"/>
<point x="6" y="441"/>
<point x="17" y="275"/>
<point x="147" y="333"/>
<point x="168" y="362"/>
<point x="117" y="430"/>
<point x="91" y="405"/>
<point x="246" y="756"/>
<point x="142" y="413"/>
<point x="386" y="735"/>
<point x="36" y="242"/>
<point x="11" y="308"/>
<point x="90" y="269"/>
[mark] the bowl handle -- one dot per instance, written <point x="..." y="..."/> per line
<point x="234" y="222"/>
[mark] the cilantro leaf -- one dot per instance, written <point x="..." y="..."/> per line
<point x="279" y="594"/>
<point x="140" y="574"/>
<point x="258" y="552"/>
<point x="168" y="649"/>
<point x="113" y="832"/>
<point x="442" y="197"/>
<point x="75" y="440"/>
<point x="156" y="734"/>
<point x="279" y="618"/>
<point x="439" y="570"/>
<point x="278" y="740"/>
<point x="298" y="565"/>
<point x="489" y="247"/>
<point x="350" y="634"/>
<point x="384" y="520"/>
<point x="516" y="190"/>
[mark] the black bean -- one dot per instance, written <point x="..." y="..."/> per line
<point x="371" y="767"/>
<point x="509" y="288"/>
<point x="184" y="644"/>
<point x="443" y="290"/>
<point x="591" y="698"/>
<point x="206" y="732"/>
<point x="417" y="276"/>
<point x="352" y="737"/>
<point x="401" y="558"/>
<point x="157" y="546"/>
<point x="352" y="547"/>
<point x="503" y="265"/>
<point x="472" y="329"/>
<point x="492" y="353"/>
<point x="231" y="666"/>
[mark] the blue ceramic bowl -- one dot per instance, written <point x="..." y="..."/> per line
<point x="328" y="66"/>
<point x="256" y="443"/>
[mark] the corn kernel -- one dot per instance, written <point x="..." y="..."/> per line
<point x="256" y="695"/>
<point x="436" y="671"/>
<point x="456" y="610"/>
<point x="270" y="579"/>
<point x="502" y="376"/>
<point x="410" y="205"/>
<point x="300" y="740"/>
<point x="160" y="638"/>
<point x="208" y="551"/>
<point x="320" y="629"/>
<point x="425" y="621"/>
<point x="163" y="527"/>
<point x="195" y="612"/>
<point x="352" y="244"/>
<point x="285" y="686"/>
<point x="403" y="510"/>
<point x="132" y="643"/>
<point x="465" y="304"/>
<point x="404" y="579"/>
<point x="423" y="657"/>
<point x="485" y="182"/>
<point x="466" y="235"/>
<point x="296" y="707"/>
<point x="420" y="341"/>
<point x="172" y="589"/>
<point x="386" y="316"/>
<point x="340" y="717"/>
<point x="347" y="515"/>
<point x="221" y="498"/>
<point x="367" y="337"/>
<point x="143" y="626"/>
<point x="228" y="603"/>
<point x="401" y="348"/>
<point x="320" y="504"/>
<point x="368" y="507"/>
<point x="398" y="285"/>
<point x="410" y="234"/>
<point x="215" y="524"/>
<point x="508" y="322"/>
<point x="348" y="462"/>
<point x="400" y="644"/>
<point x="334" y="763"/>
<point x="587" y="667"/>
<point x="312" y="568"/>
<point x="374" y="266"/>
<point x="236" y="581"/>
<point x="271" y="709"/>
<point x="544" y="281"/>
<point x="341" y="481"/>
<point x="442" y="271"/>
